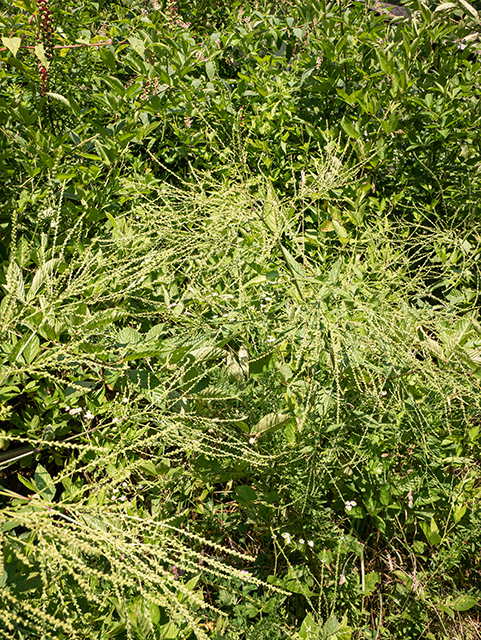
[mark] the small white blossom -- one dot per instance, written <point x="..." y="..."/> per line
<point x="287" y="538"/>
<point x="310" y="543"/>
<point x="301" y="541"/>
<point x="271" y="339"/>
<point x="252" y="440"/>
<point x="123" y="498"/>
<point x="125" y="400"/>
<point x="67" y="408"/>
<point x="89" y="415"/>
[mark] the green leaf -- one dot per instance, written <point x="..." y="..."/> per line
<point x="42" y="275"/>
<point x="40" y="53"/>
<point x="137" y="45"/>
<point x="246" y="493"/>
<point x="469" y="8"/>
<point x="128" y="336"/>
<point x="350" y="129"/>
<point x="459" y="512"/>
<point x="463" y="603"/>
<point x="431" y="532"/>
<point x="309" y="628"/>
<point x="149" y="468"/>
<point x="45" y="484"/>
<point x="210" y="69"/>
<point x="12" y="44"/>
<point x="445" y="5"/>
<point x="370" y="581"/>
<point x="271" y="422"/>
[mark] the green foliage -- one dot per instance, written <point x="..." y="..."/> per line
<point x="240" y="337"/>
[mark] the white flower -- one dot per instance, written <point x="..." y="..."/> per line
<point x="348" y="506"/>
<point x="310" y="543"/>
<point x="67" y="408"/>
<point x="123" y="498"/>
<point x="301" y="541"/>
<point x="271" y="339"/>
<point x="124" y="484"/>
<point x="89" y="415"/>
<point x="287" y="538"/>
<point x="252" y="440"/>
<point x="125" y="400"/>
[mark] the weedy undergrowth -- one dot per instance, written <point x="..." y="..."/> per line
<point x="221" y="374"/>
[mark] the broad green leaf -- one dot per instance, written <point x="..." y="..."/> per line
<point x="143" y="379"/>
<point x="137" y="45"/>
<point x="459" y="512"/>
<point x="40" y="53"/>
<point x="42" y="275"/>
<point x="60" y="98"/>
<point x="271" y="422"/>
<point x="149" y="468"/>
<point x="370" y="581"/>
<point x="309" y="628"/>
<point x="246" y="493"/>
<point x="204" y="354"/>
<point x="350" y="129"/>
<point x="12" y="44"/>
<point x="431" y="531"/>
<point x="463" y="603"/>
<point x="31" y="349"/>
<point x="435" y="348"/>
<point x="210" y="69"/>
<point x="44" y="483"/>
<point x="128" y="336"/>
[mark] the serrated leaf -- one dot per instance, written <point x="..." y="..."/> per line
<point x="435" y="348"/>
<point x="12" y="44"/>
<point x="43" y="273"/>
<point x="128" y="336"/>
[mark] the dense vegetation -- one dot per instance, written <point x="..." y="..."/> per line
<point x="240" y="352"/>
